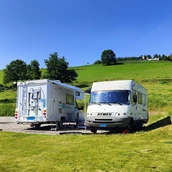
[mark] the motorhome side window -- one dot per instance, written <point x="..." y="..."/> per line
<point x="139" y="98"/>
<point x="69" y="99"/>
<point x="134" y="97"/>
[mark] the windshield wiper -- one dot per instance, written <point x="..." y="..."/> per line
<point x="117" y="103"/>
<point x="96" y="103"/>
<point x="106" y="103"/>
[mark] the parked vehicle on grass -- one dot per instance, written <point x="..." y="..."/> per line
<point x="116" y="104"/>
<point x="47" y="101"/>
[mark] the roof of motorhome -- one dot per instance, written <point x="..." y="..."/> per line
<point x="114" y="85"/>
<point x="57" y="82"/>
<point x="71" y="87"/>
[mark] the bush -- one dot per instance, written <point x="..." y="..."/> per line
<point x="98" y="62"/>
<point x="7" y="109"/>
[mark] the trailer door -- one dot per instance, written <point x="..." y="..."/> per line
<point x="36" y="101"/>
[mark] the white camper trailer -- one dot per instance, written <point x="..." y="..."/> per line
<point x="120" y="103"/>
<point x="47" y="101"/>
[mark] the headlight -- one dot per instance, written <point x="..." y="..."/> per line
<point x="90" y="114"/>
<point x="117" y="114"/>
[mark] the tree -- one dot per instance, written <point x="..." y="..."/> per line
<point x="164" y="57"/>
<point x="170" y="57"/>
<point x="15" y="71"/>
<point x="57" y="69"/>
<point x="97" y="62"/>
<point x="33" y="70"/>
<point x="108" y="57"/>
<point x="149" y="56"/>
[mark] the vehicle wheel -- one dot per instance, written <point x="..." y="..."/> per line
<point x="93" y="129"/>
<point x="60" y="124"/>
<point x="37" y="125"/>
<point x="139" y="126"/>
<point x="129" y="128"/>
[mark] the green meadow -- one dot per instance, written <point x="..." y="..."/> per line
<point x="156" y="76"/>
<point x="148" y="150"/>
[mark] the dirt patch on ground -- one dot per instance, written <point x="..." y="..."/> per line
<point x="9" y="124"/>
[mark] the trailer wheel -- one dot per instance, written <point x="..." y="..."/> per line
<point x="60" y="123"/>
<point x="93" y="129"/>
<point x="37" y="125"/>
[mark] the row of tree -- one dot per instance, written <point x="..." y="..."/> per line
<point x="56" y="69"/>
<point x="146" y="57"/>
<point x="108" y="57"/>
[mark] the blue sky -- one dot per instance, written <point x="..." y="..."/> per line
<point x="80" y="30"/>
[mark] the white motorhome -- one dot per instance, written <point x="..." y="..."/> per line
<point x="119" y="103"/>
<point x="47" y="101"/>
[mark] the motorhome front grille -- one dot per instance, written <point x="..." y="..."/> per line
<point x="103" y="119"/>
<point x="99" y="122"/>
<point x="104" y="114"/>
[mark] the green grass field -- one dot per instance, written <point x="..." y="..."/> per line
<point x="144" y="151"/>
<point x="1" y="76"/>
<point x="141" y="151"/>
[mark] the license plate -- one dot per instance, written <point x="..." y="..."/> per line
<point x="103" y="125"/>
<point x="31" y="118"/>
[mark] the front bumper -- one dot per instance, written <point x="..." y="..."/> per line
<point x="105" y="122"/>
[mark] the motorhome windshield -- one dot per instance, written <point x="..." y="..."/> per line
<point x="117" y="96"/>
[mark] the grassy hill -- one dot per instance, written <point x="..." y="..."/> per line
<point x="147" y="150"/>
<point x="154" y="75"/>
<point x="1" y="76"/>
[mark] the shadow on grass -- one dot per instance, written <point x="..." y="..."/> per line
<point x="158" y="124"/>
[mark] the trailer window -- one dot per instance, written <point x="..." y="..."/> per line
<point x="139" y="98"/>
<point x="69" y="99"/>
<point x="36" y="95"/>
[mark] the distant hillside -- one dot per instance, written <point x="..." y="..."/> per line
<point x="141" y="71"/>
<point x="1" y="76"/>
<point x="154" y="75"/>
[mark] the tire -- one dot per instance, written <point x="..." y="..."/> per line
<point x="130" y="127"/>
<point x="60" y="124"/>
<point x="37" y="125"/>
<point x="93" y="130"/>
<point x="139" y="126"/>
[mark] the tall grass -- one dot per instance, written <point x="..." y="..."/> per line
<point x="1" y="76"/>
<point x="7" y="109"/>
<point x="7" y="103"/>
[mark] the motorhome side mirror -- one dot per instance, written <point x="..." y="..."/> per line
<point x="77" y="93"/>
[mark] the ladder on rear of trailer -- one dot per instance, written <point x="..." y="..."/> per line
<point x="24" y="100"/>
